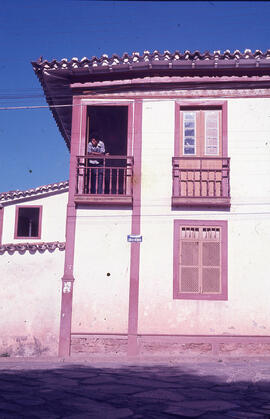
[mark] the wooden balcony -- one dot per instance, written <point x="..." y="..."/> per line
<point x="105" y="180"/>
<point x="201" y="182"/>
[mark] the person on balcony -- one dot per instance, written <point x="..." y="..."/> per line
<point x="96" y="166"/>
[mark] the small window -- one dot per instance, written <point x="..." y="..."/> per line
<point x="200" y="265"/>
<point x="28" y="222"/>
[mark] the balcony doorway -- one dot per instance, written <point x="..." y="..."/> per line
<point x="110" y="125"/>
<point x="106" y="178"/>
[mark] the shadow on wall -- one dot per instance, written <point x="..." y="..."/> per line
<point x="155" y="391"/>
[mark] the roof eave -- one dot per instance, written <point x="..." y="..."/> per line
<point x="57" y="76"/>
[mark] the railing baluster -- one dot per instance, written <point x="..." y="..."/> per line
<point x="90" y="179"/>
<point x="124" y="180"/>
<point x="228" y="183"/>
<point x="222" y="179"/>
<point x="110" y="187"/>
<point x="200" y="173"/>
<point x="117" y="180"/>
<point x="179" y="174"/>
<point x="186" y="183"/>
<point x="96" y="180"/>
<point x="207" y="183"/>
<point x="103" y="175"/>
<point x="86" y="176"/>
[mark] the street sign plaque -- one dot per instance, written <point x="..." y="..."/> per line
<point x="134" y="238"/>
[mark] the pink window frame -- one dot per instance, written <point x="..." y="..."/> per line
<point x="202" y="104"/>
<point x="17" y="218"/>
<point x="223" y="225"/>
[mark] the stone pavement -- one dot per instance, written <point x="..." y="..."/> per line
<point x="110" y="389"/>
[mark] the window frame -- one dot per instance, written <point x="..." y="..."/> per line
<point x="17" y="220"/>
<point x="201" y="105"/>
<point x="223" y="225"/>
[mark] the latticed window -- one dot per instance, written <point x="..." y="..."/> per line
<point x="200" y="269"/>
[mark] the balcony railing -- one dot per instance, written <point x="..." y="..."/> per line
<point x="104" y="180"/>
<point x="201" y="181"/>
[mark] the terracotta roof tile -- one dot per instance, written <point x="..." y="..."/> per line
<point x="31" y="247"/>
<point x="147" y="56"/>
<point x="40" y="190"/>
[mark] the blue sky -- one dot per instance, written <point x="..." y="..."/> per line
<point x="33" y="153"/>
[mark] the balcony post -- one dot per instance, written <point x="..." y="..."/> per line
<point x="129" y="176"/>
<point x="225" y="177"/>
<point x="176" y="177"/>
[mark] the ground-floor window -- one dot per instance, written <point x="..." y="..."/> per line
<point x="200" y="260"/>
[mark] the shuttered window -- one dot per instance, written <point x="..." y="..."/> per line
<point x="201" y="132"/>
<point x="199" y="264"/>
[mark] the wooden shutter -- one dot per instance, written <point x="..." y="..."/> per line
<point x="189" y="260"/>
<point x="200" y="260"/>
<point x="189" y="133"/>
<point x="212" y="132"/>
<point x="211" y="260"/>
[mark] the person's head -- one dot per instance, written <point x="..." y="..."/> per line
<point x="94" y="141"/>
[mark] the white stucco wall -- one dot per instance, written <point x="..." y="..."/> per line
<point x="31" y="283"/>
<point x="247" y="309"/>
<point x="30" y="302"/>
<point x="53" y="225"/>
<point x="100" y="302"/>
<point x="249" y="149"/>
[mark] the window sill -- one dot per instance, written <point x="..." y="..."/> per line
<point x="212" y="297"/>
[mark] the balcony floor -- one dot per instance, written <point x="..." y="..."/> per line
<point x="106" y="199"/>
<point x="220" y="202"/>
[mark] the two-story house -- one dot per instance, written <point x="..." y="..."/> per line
<point x="167" y="235"/>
